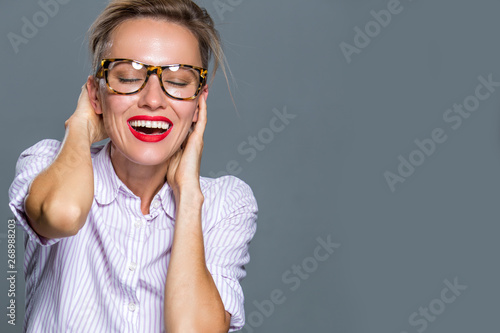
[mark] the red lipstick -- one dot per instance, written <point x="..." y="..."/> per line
<point x="150" y="137"/>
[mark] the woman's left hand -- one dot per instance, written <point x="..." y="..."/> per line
<point x="192" y="299"/>
<point x="183" y="173"/>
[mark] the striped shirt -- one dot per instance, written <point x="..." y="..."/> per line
<point x="110" y="277"/>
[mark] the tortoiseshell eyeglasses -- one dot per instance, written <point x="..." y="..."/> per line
<point x="127" y="77"/>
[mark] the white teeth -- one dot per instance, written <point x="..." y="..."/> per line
<point x="150" y="124"/>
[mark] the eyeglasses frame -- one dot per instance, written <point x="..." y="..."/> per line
<point x="102" y="72"/>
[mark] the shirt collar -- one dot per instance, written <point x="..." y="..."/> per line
<point x="107" y="184"/>
<point x="167" y="199"/>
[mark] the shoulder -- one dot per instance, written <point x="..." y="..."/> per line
<point x="38" y="156"/>
<point x="45" y="147"/>
<point x="228" y="194"/>
<point x="50" y="148"/>
<point x="225" y="186"/>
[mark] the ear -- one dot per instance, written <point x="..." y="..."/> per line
<point x="203" y="94"/>
<point x="93" y="91"/>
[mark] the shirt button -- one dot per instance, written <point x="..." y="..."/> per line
<point x="156" y="203"/>
<point x="132" y="266"/>
<point x="131" y="306"/>
<point x="138" y="223"/>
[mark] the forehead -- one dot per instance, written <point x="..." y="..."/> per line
<point x="155" y="42"/>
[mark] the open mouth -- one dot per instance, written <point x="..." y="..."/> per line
<point x="149" y="127"/>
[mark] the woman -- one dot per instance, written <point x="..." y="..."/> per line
<point x="105" y="223"/>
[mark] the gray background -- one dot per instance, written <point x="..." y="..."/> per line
<point x="323" y="174"/>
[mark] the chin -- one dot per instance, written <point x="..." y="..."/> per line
<point x="145" y="154"/>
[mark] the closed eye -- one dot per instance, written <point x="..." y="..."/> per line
<point x="177" y="84"/>
<point x="123" y="80"/>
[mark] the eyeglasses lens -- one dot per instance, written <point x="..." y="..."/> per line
<point x="128" y="77"/>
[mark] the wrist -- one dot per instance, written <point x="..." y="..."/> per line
<point x="81" y="127"/>
<point x="189" y="198"/>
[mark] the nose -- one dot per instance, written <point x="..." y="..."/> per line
<point x="152" y="96"/>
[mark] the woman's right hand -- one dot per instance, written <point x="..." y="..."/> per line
<point x="86" y="116"/>
<point x="61" y="196"/>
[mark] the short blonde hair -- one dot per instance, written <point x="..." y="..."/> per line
<point x="183" y="12"/>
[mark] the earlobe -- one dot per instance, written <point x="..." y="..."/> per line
<point x="93" y="92"/>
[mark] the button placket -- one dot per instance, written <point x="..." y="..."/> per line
<point x="132" y="266"/>
<point x="156" y="203"/>
<point x="132" y="306"/>
<point x="134" y="250"/>
<point x="138" y="223"/>
<point x="134" y="253"/>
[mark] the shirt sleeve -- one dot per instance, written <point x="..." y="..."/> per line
<point x="226" y="245"/>
<point x="31" y="162"/>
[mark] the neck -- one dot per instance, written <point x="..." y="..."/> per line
<point x="145" y="181"/>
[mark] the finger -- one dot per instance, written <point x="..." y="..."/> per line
<point x="84" y="96"/>
<point x="85" y="88"/>
<point x="200" y="125"/>
<point x="83" y="91"/>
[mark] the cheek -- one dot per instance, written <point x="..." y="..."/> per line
<point x="185" y="110"/>
<point x="114" y="109"/>
<point x="115" y="105"/>
<point x="185" y="113"/>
